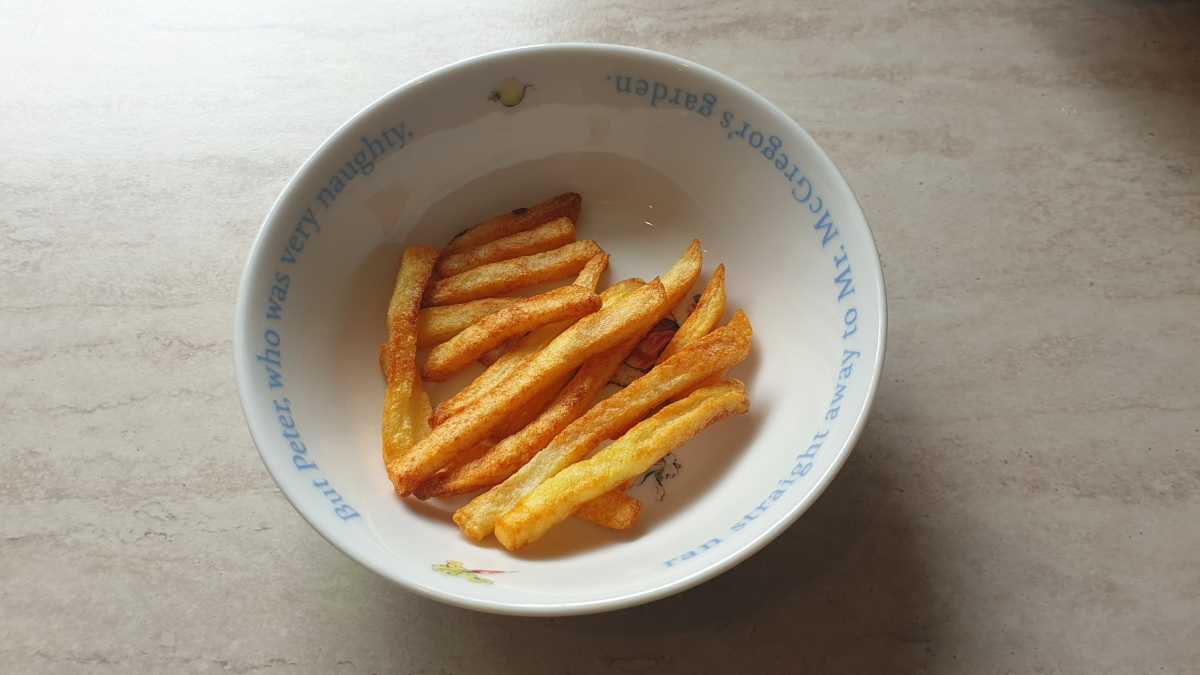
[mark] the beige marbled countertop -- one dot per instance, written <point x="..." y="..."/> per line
<point x="1026" y="498"/>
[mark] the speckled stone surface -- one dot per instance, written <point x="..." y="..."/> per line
<point x="1026" y="498"/>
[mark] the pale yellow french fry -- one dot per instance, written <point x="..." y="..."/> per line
<point x="632" y="454"/>
<point x="405" y="405"/>
<point x="704" y="317"/>
<point x="719" y="350"/>
<point x="566" y="205"/>
<point x="590" y="335"/>
<point x="566" y="303"/>
<point x="438" y="324"/>
<point x="504" y="276"/>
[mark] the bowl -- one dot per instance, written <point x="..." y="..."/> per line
<point x="663" y="151"/>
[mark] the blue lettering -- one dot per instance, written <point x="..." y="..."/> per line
<point x="345" y="512"/>
<point x="326" y="197"/>
<point x="824" y="224"/>
<point x="395" y="137"/>
<point x="846" y="282"/>
<point x="658" y="93"/>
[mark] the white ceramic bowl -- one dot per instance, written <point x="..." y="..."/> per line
<point x="663" y="150"/>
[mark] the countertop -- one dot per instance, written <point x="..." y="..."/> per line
<point x="1026" y="497"/>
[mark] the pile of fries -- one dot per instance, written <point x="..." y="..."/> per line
<point x="525" y="432"/>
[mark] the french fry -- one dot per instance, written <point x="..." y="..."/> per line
<point x="438" y="324"/>
<point x="613" y="509"/>
<point x="718" y="351"/>
<point x="513" y="358"/>
<point x="565" y="303"/>
<point x="635" y="452"/>
<point x="532" y="409"/>
<point x="509" y="275"/>
<point x="703" y="318"/>
<point x="589" y="276"/>
<point x="553" y="234"/>
<point x="504" y="458"/>
<point x="594" y="333"/>
<point x="515" y="423"/>
<point x="683" y="275"/>
<point x="566" y="205"/>
<point x="405" y="405"/>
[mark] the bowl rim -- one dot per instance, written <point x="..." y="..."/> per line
<point x="719" y="565"/>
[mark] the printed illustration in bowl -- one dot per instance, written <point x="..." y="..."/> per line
<point x="663" y="151"/>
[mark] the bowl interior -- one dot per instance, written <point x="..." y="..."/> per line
<point x="662" y="151"/>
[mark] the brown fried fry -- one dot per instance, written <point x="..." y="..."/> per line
<point x="566" y="303"/>
<point x="566" y="205"/>
<point x="715" y="352"/>
<point x="438" y="324"/>
<point x="509" y="275"/>
<point x="613" y="509"/>
<point x="405" y="405"/>
<point x="704" y="318"/>
<point x="590" y="335"/>
<point x="528" y="345"/>
<point x="552" y="235"/>
<point x="635" y="452"/>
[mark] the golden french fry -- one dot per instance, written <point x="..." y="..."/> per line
<point x="566" y="205"/>
<point x="509" y="275"/>
<point x="556" y="499"/>
<point x="405" y="405"/>
<point x="515" y="423"/>
<point x="594" y="333"/>
<point x="678" y="280"/>
<point x="613" y="509"/>
<point x="513" y="358"/>
<point x="504" y="458"/>
<point x="552" y="235"/>
<point x="703" y="318"/>
<point x="438" y="324"/>
<point x="566" y="303"/>
<point x="719" y="350"/>
<point x="589" y="276"/>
